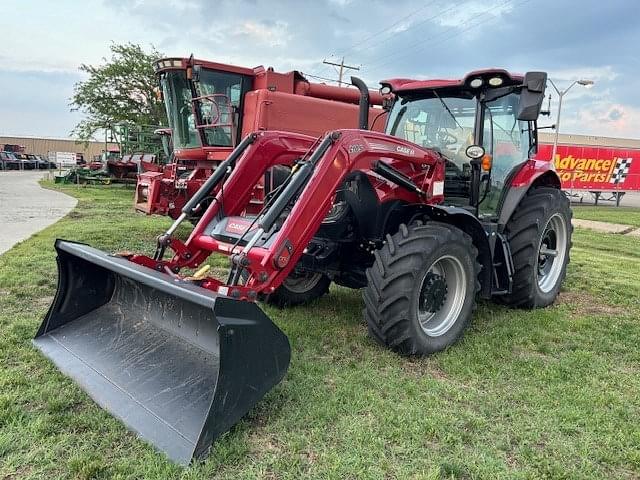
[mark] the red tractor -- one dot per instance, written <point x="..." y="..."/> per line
<point x="449" y="204"/>
<point x="210" y="106"/>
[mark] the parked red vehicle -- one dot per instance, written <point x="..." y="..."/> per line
<point x="210" y="106"/>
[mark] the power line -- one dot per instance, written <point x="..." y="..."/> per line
<point x="415" y="25"/>
<point x="342" y="68"/>
<point x="351" y="48"/>
<point x="320" y="78"/>
<point x="418" y="46"/>
<point x="387" y="28"/>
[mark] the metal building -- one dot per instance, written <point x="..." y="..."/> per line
<point x="42" y="146"/>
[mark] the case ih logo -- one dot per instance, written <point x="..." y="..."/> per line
<point x="237" y="227"/>
<point x="405" y="150"/>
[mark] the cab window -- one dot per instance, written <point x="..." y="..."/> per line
<point x="445" y="124"/>
<point x="507" y="139"/>
<point x="224" y="91"/>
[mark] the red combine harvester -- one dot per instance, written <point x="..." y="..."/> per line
<point x="210" y="106"/>
<point x="607" y="168"/>
<point x="448" y="204"/>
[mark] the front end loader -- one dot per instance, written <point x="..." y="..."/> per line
<point x="447" y="205"/>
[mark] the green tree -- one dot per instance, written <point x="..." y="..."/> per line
<point x="119" y="92"/>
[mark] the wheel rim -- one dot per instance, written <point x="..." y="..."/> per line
<point x="303" y="282"/>
<point x="441" y="296"/>
<point x="551" y="253"/>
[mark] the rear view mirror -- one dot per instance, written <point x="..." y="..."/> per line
<point x="532" y="96"/>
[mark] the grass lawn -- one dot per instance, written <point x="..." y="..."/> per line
<point x="623" y="215"/>
<point x="551" y="393"/>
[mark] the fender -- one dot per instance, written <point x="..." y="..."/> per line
<point x="532" y="173"/>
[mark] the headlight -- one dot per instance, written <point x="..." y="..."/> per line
<point x="476" y="83"/>
<point x="496" y="81"/>
<point x="475" y="151"/>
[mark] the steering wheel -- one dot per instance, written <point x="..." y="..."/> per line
<point x="215" y="110"/>
<point x="446" y="138"/>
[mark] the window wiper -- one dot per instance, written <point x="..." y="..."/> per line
<point x="448" y="110"/>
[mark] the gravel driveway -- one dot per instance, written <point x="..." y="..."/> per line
<point x="26" y="208"/>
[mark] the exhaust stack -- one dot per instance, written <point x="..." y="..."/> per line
<point x="363" y="114"/>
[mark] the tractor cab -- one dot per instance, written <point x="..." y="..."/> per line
<point x="203" y="101"/>
<point x="483" y="126"/>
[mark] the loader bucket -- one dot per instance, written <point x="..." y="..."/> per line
<point x="176" y="363"/>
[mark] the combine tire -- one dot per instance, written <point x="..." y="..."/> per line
<point x="299" y="289"/>
<point x="421" y="288"/>
<point x="539" y="234"/>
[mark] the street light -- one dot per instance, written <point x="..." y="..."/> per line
<point x="585" y="83"/>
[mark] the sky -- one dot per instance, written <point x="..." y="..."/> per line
<point x="44" y="42"/>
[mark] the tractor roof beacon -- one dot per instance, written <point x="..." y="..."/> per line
<point x="447" y="204"/>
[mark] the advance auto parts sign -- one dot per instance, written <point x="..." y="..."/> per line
<point x="595" y="168"/>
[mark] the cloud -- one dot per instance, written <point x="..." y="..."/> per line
<point x="474" y="11"/>
<point x="405" y="38"/>
<point x="272" y="33"/>
<point x="38" y="103"/>
<point x="603" y="118"/>
<point x="596" y="73"/>
<point x="615" y="113"/>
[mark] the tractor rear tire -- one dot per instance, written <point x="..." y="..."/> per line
<point x="539" y="235"/>
<point x="421" y="288"/>
<point x="299" y="290"/>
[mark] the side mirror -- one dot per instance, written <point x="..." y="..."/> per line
<point x="532" y="96"/>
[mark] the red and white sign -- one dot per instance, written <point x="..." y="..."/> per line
<point x="595" y="168"/>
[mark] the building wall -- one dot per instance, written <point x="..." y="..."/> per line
<point x="41" y="146"/>
<point x="590" y="140"/>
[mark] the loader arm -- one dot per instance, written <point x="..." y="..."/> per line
<point x="283" y="230"/>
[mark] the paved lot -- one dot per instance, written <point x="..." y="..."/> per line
<point x="606" y="227"/>
<point x="25" y="208"/>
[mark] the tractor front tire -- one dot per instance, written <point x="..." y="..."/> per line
<point x="421" y="288"/>
<point x="299" y="289"/>
<point x="539" y="235"/>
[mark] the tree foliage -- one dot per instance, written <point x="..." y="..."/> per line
<point x="119" y="92"/>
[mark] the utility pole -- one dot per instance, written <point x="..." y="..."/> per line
<point x="342" y="67"/>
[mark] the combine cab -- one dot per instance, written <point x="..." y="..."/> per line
<point x="210" y="106"/>
<point x="447" y="205"/>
